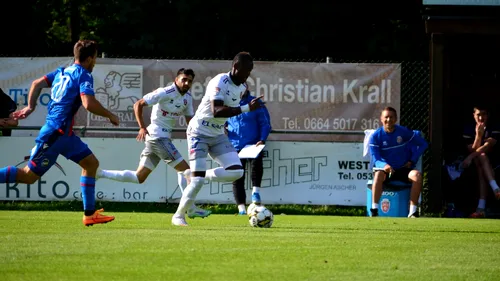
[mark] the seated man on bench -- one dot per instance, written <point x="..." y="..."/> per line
<point x="395" y="150"/>
<point x="481" y="139"/>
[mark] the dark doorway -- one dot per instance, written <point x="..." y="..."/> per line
<point x="472" y="75"/>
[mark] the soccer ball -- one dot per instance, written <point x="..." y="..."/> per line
<point x="251" y="207"/>
<point x="260" y="216"/>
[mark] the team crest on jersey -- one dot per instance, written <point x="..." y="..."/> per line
<point x="88" y="85"/>
<point x="185" y="102"/>
<point x="399" y="139"/>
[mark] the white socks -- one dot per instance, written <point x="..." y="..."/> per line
<point x="482" y="204"/>
<point x="255" y="189"/>
<point x="189" y="195"/>
<point x="123" y="176"/>
<point x="219" y="174"/>
<point x="181" y="180"/>
<point x="374" y="205"/>
<point x="413" y="209"/>
<point x="241" y="208"/>
<point x="494" y="185"/>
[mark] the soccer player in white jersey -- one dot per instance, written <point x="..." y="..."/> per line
<point x="205" y="132"/>
<point x="169" y="103"/>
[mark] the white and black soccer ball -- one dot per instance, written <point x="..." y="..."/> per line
<point x="252" y="207"/>
<point x="260" y="216"/>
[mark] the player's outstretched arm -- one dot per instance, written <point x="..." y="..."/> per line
<point x="92" y="105"/>
<point x="220" y="110"/>
<point x="35" y="90"/>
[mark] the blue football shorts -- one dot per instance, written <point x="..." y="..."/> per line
<point x="52" y="143"/>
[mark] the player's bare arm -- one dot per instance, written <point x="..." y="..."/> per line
<point x="91" y="104"/>
<point x="138" y="109"/>
<point x="8" y="122"/>
<point x="220" y="110"/>
<point x="35" y="90"/>
<point x="487" y="146"/>
<point x="480" y="127"/>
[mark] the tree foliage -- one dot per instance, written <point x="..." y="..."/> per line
<point x="200" y="29"/>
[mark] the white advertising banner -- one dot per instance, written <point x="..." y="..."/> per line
<point x="315" y="173"/>
<point x="297" y="173"/>
<point x="302" y="97"/>
<point x="16" y="76"/>
<point x="114" y="154"/>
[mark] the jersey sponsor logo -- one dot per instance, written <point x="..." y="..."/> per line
<point x="208" y="124"/>
<point x="165" y="113"/>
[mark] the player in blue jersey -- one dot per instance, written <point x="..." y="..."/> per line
<point x="395" y="151"/>
<point x="71" y="87"/>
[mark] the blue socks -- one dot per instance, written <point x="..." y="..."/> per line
<point x="8" y="174"/>
<point x="87" y="185"/>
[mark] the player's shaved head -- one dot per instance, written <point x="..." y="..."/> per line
<point x="243" y="58"/>
<point x="242" y="67"/>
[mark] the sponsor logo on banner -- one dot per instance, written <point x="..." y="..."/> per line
<point x="117" y="87"/>
<point x="303" y="97"/>
<point x="317" y="173"/>
<point x="294" y="173"/>
<point x="16" y="76"/>
<point x="56" y="190"/>
<point x="62" y="184"/>
<point x="386" y="205"/>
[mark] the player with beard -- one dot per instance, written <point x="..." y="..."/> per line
<point x="169" y="103"/>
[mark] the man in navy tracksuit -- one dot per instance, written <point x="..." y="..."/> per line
<point x="249" y="128"/>
<point x="395" y="151"/>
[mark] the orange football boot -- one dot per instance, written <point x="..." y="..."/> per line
<point x="96" y="218"/>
